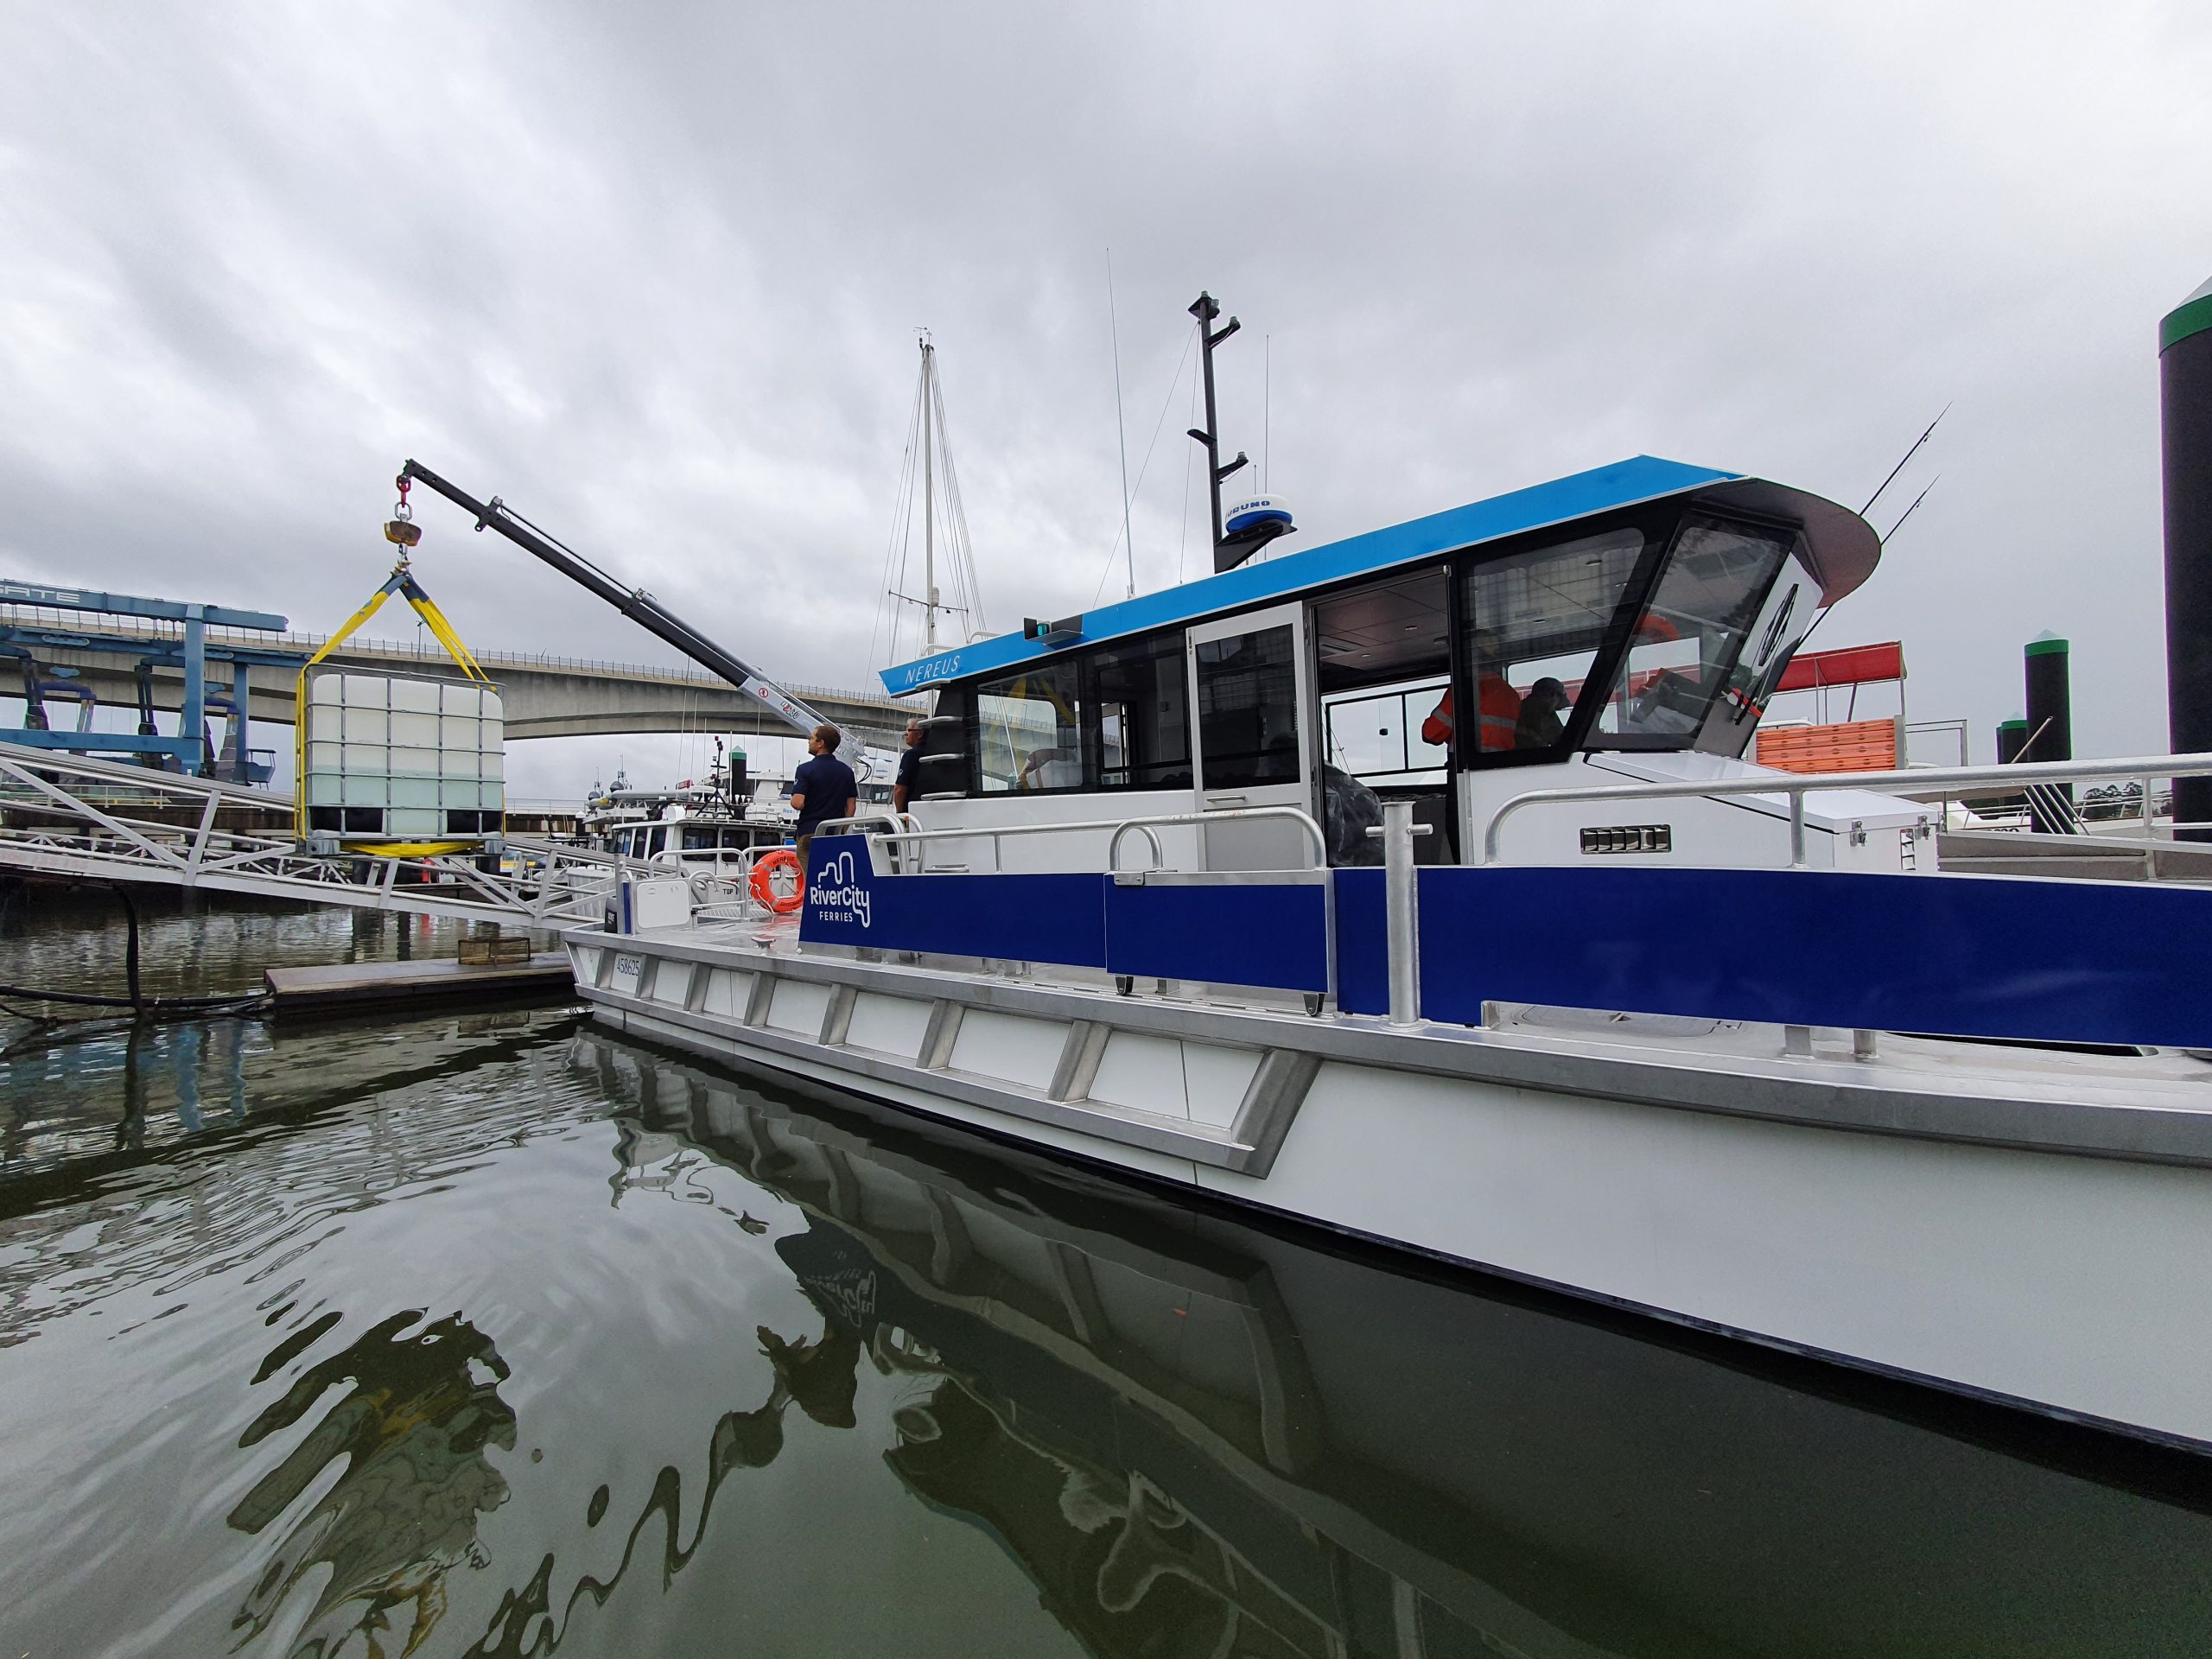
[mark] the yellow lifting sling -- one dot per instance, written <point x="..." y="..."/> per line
<point x="401" y="581"/>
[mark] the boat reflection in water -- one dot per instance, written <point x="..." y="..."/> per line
<point x="409" y="1436"/>
<point x="1201" y="1438"/>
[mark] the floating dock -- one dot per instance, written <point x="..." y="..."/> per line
<point x="346" y="987"/>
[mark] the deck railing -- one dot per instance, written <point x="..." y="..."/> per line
<point x="1944" y="782"/>
<point x="869" y="823"/>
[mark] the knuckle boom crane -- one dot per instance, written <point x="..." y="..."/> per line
<point x="635" y="603"/>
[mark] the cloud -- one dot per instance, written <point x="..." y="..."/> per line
<point x="652" y="277"/>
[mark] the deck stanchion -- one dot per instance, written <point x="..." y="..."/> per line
<point x="1400" y="908"/>
<point x="1796" y="829"/>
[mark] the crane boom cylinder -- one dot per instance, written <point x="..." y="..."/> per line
<point x="639" y="605"/>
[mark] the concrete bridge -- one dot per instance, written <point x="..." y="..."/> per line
<point x="546" y="695"/>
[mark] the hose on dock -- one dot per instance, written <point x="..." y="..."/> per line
<point x="48" y="1032"/>
<point x="186" y="1004"/>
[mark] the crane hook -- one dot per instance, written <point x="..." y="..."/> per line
<point x="400" y="529"/>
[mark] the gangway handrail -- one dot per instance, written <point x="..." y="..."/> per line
<point x="148" y="778"/>
<point x="1797" y="786"/>
<point x="1146" y="824"/>
<point x="99" y="837"/>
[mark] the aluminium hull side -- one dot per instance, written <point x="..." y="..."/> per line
<point x="2030" y="1247"/>
<point x="1332" y="1427"/>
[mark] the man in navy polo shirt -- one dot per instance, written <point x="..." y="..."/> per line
<point x="823" y="788"/>
<point x="908" y="785"/>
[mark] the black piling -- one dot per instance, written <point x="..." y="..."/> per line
<point x="2011" y="738"/>
<point x="2186" y="404"/>
<point x="2051" y="730"/>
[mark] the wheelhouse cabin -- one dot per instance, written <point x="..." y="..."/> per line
<point x="1629" y="623"/>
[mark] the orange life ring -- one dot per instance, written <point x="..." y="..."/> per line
<point x="764" y="882"/>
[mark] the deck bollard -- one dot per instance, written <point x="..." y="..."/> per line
<point x="1400" y="908"/>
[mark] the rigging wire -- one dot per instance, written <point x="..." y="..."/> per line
<point x="1165" y="404"/>
<point x="968" y="588"/>
<point x="901" y="534"/>
<point x="1121" y="432"/>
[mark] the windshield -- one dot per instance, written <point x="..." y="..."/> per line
<point x="1690" y="635"/>
<point x="1534" y="624"/>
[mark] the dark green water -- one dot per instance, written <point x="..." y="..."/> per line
<point x="490" y="1334"/>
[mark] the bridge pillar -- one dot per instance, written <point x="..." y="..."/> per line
<point x="235" y="738"/>
<point x="193" y="721"/>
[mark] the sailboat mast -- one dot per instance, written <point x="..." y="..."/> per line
<point x="929" y="507"/>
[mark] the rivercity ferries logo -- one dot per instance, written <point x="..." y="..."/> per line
<point x="840" y="891"/>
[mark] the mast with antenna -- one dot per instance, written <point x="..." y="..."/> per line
<point x="1252" y="524"/>
<point x="929" y="501"/>
<point x="927" y="470"/>
<point x="1205" y="309"/>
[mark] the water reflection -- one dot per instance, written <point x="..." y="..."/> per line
<point x="409" y="1436"/>
<point x="515" y="1338"/>
<point x="1198" y="1438"/>
<point x="101" y="1084"/>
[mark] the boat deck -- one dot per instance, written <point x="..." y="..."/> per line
<point x="2154" y="1104"/>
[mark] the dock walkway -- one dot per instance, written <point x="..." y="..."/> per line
<point x="346" y="986"/>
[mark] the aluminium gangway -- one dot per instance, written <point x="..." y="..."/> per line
<point x="70" y="818"/>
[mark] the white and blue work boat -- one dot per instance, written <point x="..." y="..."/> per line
<point x="1577" y="995"/>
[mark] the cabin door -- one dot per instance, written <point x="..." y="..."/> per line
<point x="1252" y="694"/>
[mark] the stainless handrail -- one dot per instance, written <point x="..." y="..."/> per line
<point x="1168" y="819"/>
<point x="1152" y="840"/>
<point x="1118" y="826"/>
<point x="1797" y="786"/>
<point x="880" y="814"/>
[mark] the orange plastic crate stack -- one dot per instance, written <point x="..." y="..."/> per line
<point x="1855" y="746"/>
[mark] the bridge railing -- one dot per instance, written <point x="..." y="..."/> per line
<point x="307" y="644"/>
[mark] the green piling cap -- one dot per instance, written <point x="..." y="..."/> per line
<point x="2012" y="725"/>
<point x="2192" y="316"/>
<point x="2045" y="644"/>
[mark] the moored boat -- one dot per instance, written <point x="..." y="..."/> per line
<point x="1633" y="1018"/>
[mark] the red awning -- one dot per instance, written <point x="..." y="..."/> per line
<point x="1851" y="665"/>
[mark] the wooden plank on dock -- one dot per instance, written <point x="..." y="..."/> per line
<point x="342" y="987"/>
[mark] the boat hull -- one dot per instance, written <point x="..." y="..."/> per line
<point x="2037" y="1250"/>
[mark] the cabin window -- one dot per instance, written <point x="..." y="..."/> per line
<point x="1689" y="635"/>
<point x="1533" y="624"/>
<point x="1248" y="709"/>
<point x="1138" y="694"/>
<point x="1029" y="730"/>
<point x="1383" y="658"/>
<point x="1376" y="736"/>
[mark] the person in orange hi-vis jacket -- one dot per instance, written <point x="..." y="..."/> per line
<point x="1501" y="713"/>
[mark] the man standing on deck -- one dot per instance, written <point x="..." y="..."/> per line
<point x="908" y="784"/>
<point x="823" y="788"/>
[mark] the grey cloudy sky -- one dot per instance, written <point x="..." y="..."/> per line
<point x="652" y="274"/>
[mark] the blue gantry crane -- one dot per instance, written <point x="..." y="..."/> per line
<point x="29" y="641"/>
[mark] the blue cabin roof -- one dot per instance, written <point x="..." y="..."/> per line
<point x="1844" y="549"/>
